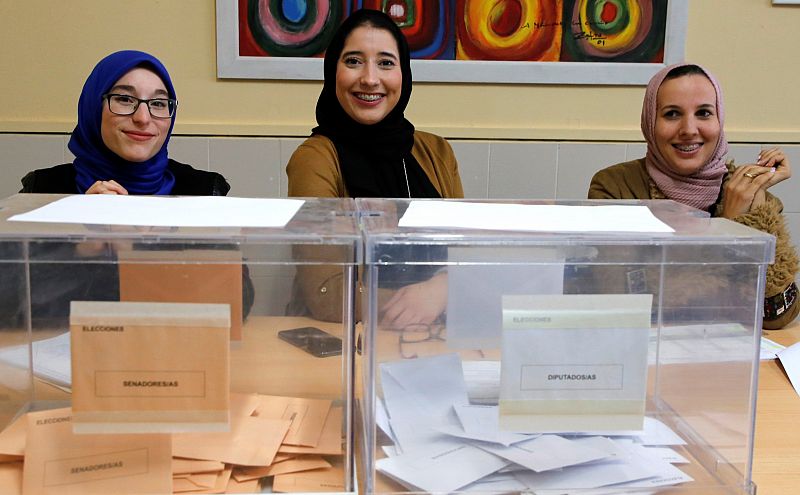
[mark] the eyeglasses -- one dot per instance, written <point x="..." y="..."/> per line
<point x="159" y="108"/>
<point x="412" y="336"/>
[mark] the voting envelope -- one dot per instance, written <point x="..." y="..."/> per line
<point x="192" y="276"/>
<point x="574" y="363"/>
<point x="150" y="367"/>
<point x="57" y="461"/>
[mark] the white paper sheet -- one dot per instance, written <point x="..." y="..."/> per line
<point x="419" y="395"/>
<point x="438" y="381"/>
<point x="185" y="211"/>
<point x="666" y="473"/>
<point x="790" y="359"/>
<point x="482" y="423"/>
<point x="496" y="483"/>
<point x="441" y="469"/>
<point x="547" y="452"/>
<point x="654" y="433"/>
<point x="594" y="475"/>
<point x="546" y="218"/>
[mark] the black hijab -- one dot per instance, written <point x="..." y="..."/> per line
<point x="371" y="157"/>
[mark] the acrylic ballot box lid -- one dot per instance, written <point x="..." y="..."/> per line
<point x="261" y="363"/>
<point x="380" y="219"/>
<point x="478" y="339"/>
<point x="319" y="220"/>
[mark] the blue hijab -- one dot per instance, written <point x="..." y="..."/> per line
<point x="93" y="160"/>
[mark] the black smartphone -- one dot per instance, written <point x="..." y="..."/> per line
<point x="313" y="340"/>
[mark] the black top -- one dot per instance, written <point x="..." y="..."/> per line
<point x="188" y="181"/>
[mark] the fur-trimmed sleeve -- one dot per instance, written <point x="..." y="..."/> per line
<point x="768" y="218"/>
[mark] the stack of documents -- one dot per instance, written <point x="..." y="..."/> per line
<point x="440" y="442"/>
<point x="290" y="444"/>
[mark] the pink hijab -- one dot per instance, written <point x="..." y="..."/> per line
<point x="700" y="189"/>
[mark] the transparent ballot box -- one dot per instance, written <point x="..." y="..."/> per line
<point x="147" y="359"/>
<point x="557" y="347"/>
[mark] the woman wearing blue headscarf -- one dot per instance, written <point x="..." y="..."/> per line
<point x="126" y="112"/>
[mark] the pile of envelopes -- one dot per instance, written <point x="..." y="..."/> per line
<point x="439" y="442"/>
<point x="290" y="444"/>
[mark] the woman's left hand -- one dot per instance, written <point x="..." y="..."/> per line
<point x="419" y="303"/>
<point x="775" y="158"/>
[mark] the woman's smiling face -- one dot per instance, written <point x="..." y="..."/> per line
<point x="368" y="76"/>
<point x="139" y="136"/>
<point x="687" y="125"/>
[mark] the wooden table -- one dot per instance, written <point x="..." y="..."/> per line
<point x="776" y="460"/>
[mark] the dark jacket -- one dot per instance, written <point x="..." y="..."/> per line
<point x="188" y="181"/>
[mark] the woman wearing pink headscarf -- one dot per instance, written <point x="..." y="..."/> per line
<point x="682" y="122"/>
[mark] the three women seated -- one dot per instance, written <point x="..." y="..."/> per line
<point x="363" y="146"/>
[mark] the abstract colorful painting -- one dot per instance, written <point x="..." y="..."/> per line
<point x="458" y="32"/>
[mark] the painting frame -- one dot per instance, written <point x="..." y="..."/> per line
<point x="230" y="65"/>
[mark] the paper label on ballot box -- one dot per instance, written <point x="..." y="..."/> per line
<point x="57" y="461"/>
<point x="574" y="362"/>
<point x="141" y="367"/>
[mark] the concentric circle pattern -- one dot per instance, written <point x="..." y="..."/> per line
<point x="504" y="30"/>
<point x="293" y="28"/>
<point x="508" y="30"/>
<point x="614" y="30"/>
<point x="426" y="24"/>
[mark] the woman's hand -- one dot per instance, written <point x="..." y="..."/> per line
<point x="106" y="187"/>
<point x="775" y="158"/>
<point x="746" y="189"/>
<point x="419" y="303"/>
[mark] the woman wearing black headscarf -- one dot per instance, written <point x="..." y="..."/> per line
<point x="363" y="146"/>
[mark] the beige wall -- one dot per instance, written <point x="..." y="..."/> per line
<point x="47" y="48"/>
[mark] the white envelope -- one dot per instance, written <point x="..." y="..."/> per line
<point x="437" y="380"/>
<point x="546" y="453"/>
<point x="441" y="469"/>
<point x="593" y="475"/>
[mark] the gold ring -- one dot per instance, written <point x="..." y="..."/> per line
<point x="748" y="174"/>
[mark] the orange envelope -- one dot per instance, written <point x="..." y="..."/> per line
<point x="305" y="463"/>
<point x="280" y="457"/>
<point x="307" y="417"/>
<point x="58" y="461"/>
<point x="192" y="466"/>
<point x="220" y="484"/>
<point x="11" y="478"/>
<point x="12" y="440"/>
<point x="330" y="442"/>
<point x="243" y="404"/>
<point x="194" y="482"/>
<point x="319" y="480"/>
<point x="250" y="486"/>
<point x="191" y="276"/>
<point x="149" y="367"/>
<point x="252" y="441"/>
